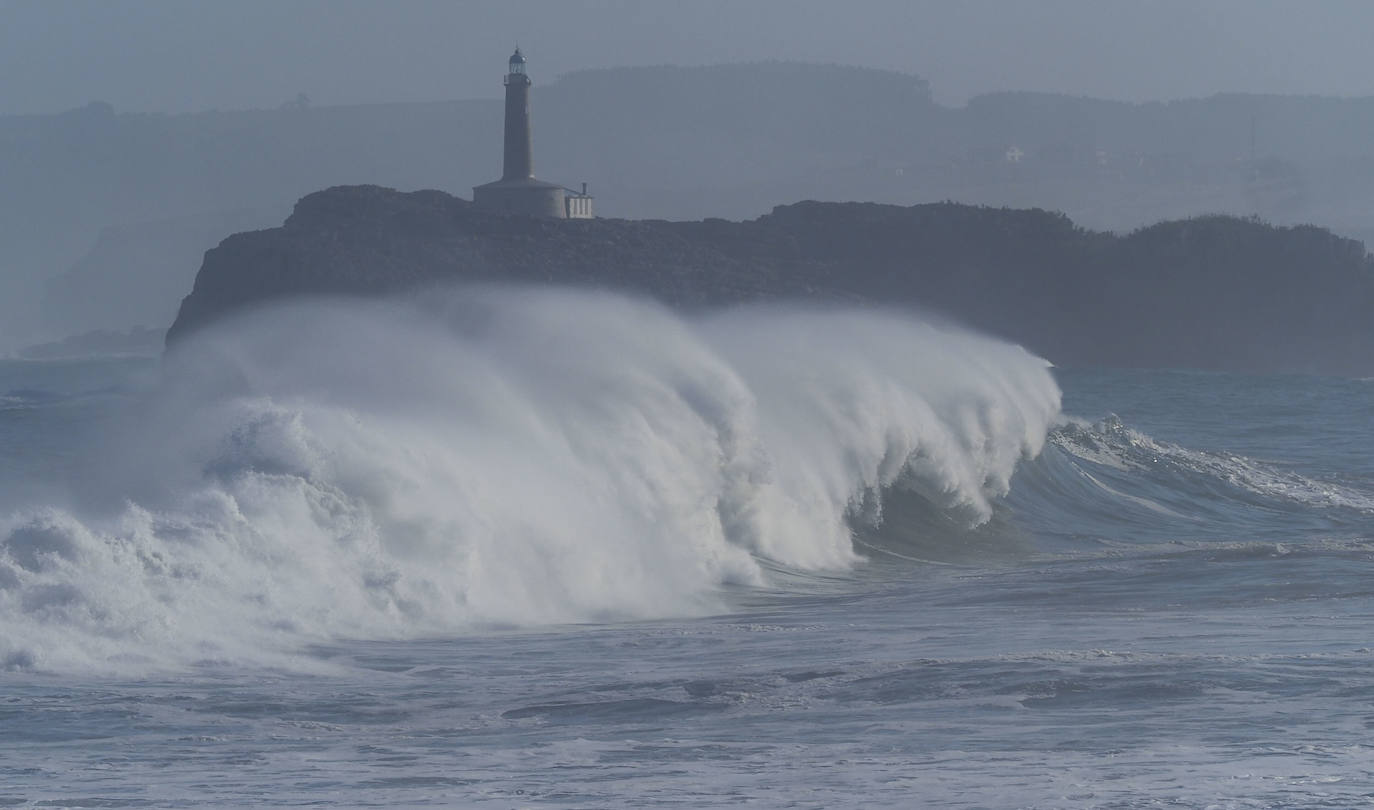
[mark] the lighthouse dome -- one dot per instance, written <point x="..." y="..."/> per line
<point x="517" y="58"/>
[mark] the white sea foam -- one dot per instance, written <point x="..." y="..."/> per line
<point x="495" y="456"/>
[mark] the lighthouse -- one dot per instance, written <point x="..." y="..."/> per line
<point x="518" y="192"/>
<point x="519" y="162"/>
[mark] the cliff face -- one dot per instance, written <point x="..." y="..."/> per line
<point x="1214" y="292"/>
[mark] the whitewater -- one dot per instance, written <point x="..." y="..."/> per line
<point x="545" y="548"/>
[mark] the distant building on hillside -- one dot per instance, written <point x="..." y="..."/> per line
<point x="517" y="191"/>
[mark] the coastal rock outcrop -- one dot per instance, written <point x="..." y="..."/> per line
<point x="1211" y="292"/>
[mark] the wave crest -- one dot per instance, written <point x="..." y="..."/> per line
<point x="498" y="456"/>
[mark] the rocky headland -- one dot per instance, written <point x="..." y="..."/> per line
<point x="1210" y="293"/>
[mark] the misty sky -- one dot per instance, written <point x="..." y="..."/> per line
<point x="188" y="55"/>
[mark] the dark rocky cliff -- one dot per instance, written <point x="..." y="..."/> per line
<point x="1213" y="292"/>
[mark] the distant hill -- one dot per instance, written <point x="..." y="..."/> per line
<point x="68" y="177"/>
<point x="135" y="275"/>
<point x="674" y="143"/>
<point x="1213" y="292"/>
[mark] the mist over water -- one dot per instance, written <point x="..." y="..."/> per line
<point x="499" y="457"/>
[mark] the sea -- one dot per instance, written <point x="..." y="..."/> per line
<point x="521" y="548"/>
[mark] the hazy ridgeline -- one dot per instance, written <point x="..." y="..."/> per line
<point x="122" y="205"/>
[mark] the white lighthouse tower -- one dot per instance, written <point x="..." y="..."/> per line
<point x="517" y="191"/>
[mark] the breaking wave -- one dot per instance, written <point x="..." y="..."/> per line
<point x="383" y="470"/>
<point x="1107" y="482"/>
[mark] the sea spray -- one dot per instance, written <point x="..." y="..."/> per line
<point x="388" y="469"/>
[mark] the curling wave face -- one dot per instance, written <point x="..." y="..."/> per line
<point x="385" y="470"/>
<point x="1103" y="485"/>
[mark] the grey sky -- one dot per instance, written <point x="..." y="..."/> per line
<point x="184" y="55"/>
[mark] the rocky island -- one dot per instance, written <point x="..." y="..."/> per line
<point x="1207" y="293"/>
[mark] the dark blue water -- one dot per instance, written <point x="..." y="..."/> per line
<point x="1317" y="425"/>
